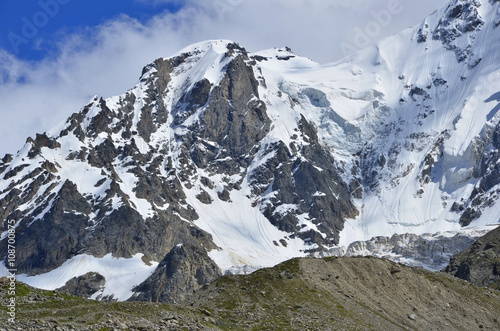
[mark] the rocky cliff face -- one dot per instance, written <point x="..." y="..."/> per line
<point x="480" y="263"/>
<point x="185" y="269"/>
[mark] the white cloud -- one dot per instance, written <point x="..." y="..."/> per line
<point x="107" y="60"/>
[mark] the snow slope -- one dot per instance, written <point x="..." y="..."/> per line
<point x="404" y="99"/>
<point x="121" y="274"/>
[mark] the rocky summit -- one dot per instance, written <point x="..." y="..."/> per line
<point x="224" y="161"/>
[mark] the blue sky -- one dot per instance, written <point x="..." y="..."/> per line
<point x="55" y="55"/>
<point x="32" y="29"/>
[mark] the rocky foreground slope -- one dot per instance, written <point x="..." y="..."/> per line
<point x="300" y="294"/>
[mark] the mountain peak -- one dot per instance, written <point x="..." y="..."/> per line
<point x="218" y="46"/>
<point x="203" y="60"/>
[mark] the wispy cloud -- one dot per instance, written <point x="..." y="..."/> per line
<point x="107" y="60"/>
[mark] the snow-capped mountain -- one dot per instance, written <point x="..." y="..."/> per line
<point x="221" y="160"/>
<point x="433" y="164"/>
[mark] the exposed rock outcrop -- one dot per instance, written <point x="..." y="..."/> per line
<point x="84" y="286"/>
<point x="184" y="269"/>
<point x="480" y="263"/>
